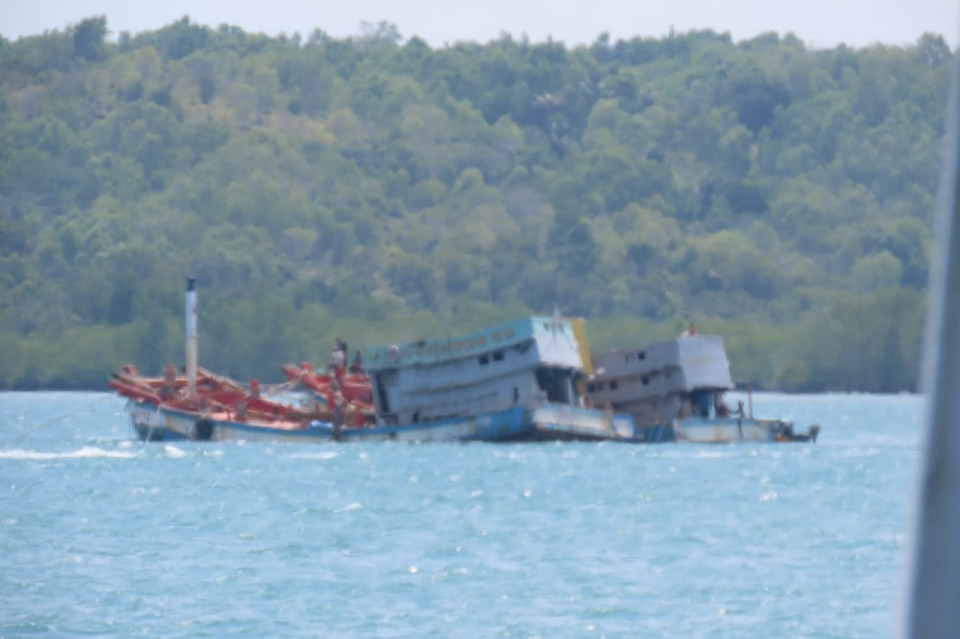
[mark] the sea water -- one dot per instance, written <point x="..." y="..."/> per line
<point x="104" y="535"/>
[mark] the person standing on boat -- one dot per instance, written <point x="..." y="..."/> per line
<point x="690" y="332"/>
<point x="339" y="359"/>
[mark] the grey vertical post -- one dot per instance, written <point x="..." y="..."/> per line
<point x="932" y="600"/>
<point x="191" y="321"/>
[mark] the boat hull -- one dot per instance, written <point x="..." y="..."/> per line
<point x="156" y="423"/>
<point x="563" y="422"/>
<point x="546" y="422"/>
<point x="725" y="430"/>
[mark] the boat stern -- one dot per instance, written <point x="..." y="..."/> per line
<point x="153" y="423"/>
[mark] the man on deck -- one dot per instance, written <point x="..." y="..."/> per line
<point x="339" y="359"/>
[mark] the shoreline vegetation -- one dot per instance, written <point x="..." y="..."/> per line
<point x="382" y="190"/>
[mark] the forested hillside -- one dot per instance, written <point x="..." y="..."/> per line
<point x="379" y="189"/>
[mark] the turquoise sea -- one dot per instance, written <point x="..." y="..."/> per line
<point x="102" y="535"/>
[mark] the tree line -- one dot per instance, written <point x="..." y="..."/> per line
<point x="379" y="189"/>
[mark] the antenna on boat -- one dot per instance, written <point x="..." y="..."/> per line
<point x="191" y="311"/>
<point x="933" y="571"/>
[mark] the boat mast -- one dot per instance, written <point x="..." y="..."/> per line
<point x="191" y="310"/>
<point x="933" y="571"/>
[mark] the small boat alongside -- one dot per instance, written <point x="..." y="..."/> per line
<point x="674" y="391"/>
<point x="218" y="409"/>
<point x="199" y="405"/>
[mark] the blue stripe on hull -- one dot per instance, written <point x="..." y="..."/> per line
<point x="495" y="426"/>
<point x="498" y="426"/>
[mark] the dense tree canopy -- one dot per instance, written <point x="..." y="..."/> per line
<point x="380" y="189"/>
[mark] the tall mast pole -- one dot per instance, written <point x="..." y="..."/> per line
<point x="191" y="311"/>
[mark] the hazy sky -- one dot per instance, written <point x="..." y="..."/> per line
<point x="819" y="23"/>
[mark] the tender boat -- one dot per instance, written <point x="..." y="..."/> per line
<point x="199" y="405"/>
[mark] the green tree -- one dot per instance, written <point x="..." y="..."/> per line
<point x="88" y="38"/>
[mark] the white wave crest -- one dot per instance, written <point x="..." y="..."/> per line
<point x="321" y="456"/>
<point x="173" y="452"/>
<point x="84" y="453"/>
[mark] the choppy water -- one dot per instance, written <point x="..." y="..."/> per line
<point x="104" y="535"/>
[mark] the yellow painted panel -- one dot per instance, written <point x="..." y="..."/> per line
<point x="580" y="334"/>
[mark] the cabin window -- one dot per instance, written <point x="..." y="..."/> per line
<point x="484" y="359"/>
<point x="642" y="355"/>
<point x="614" y="385"/>
<point x="591" y="388"/>
<point x="498" y="356"/>
<point x="645" y="380"/>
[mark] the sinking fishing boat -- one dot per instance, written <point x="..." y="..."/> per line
<point x="674" y="392"/>
<point x="515" y="381"/>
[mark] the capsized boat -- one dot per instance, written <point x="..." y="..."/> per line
<point x="674" y="392"/>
